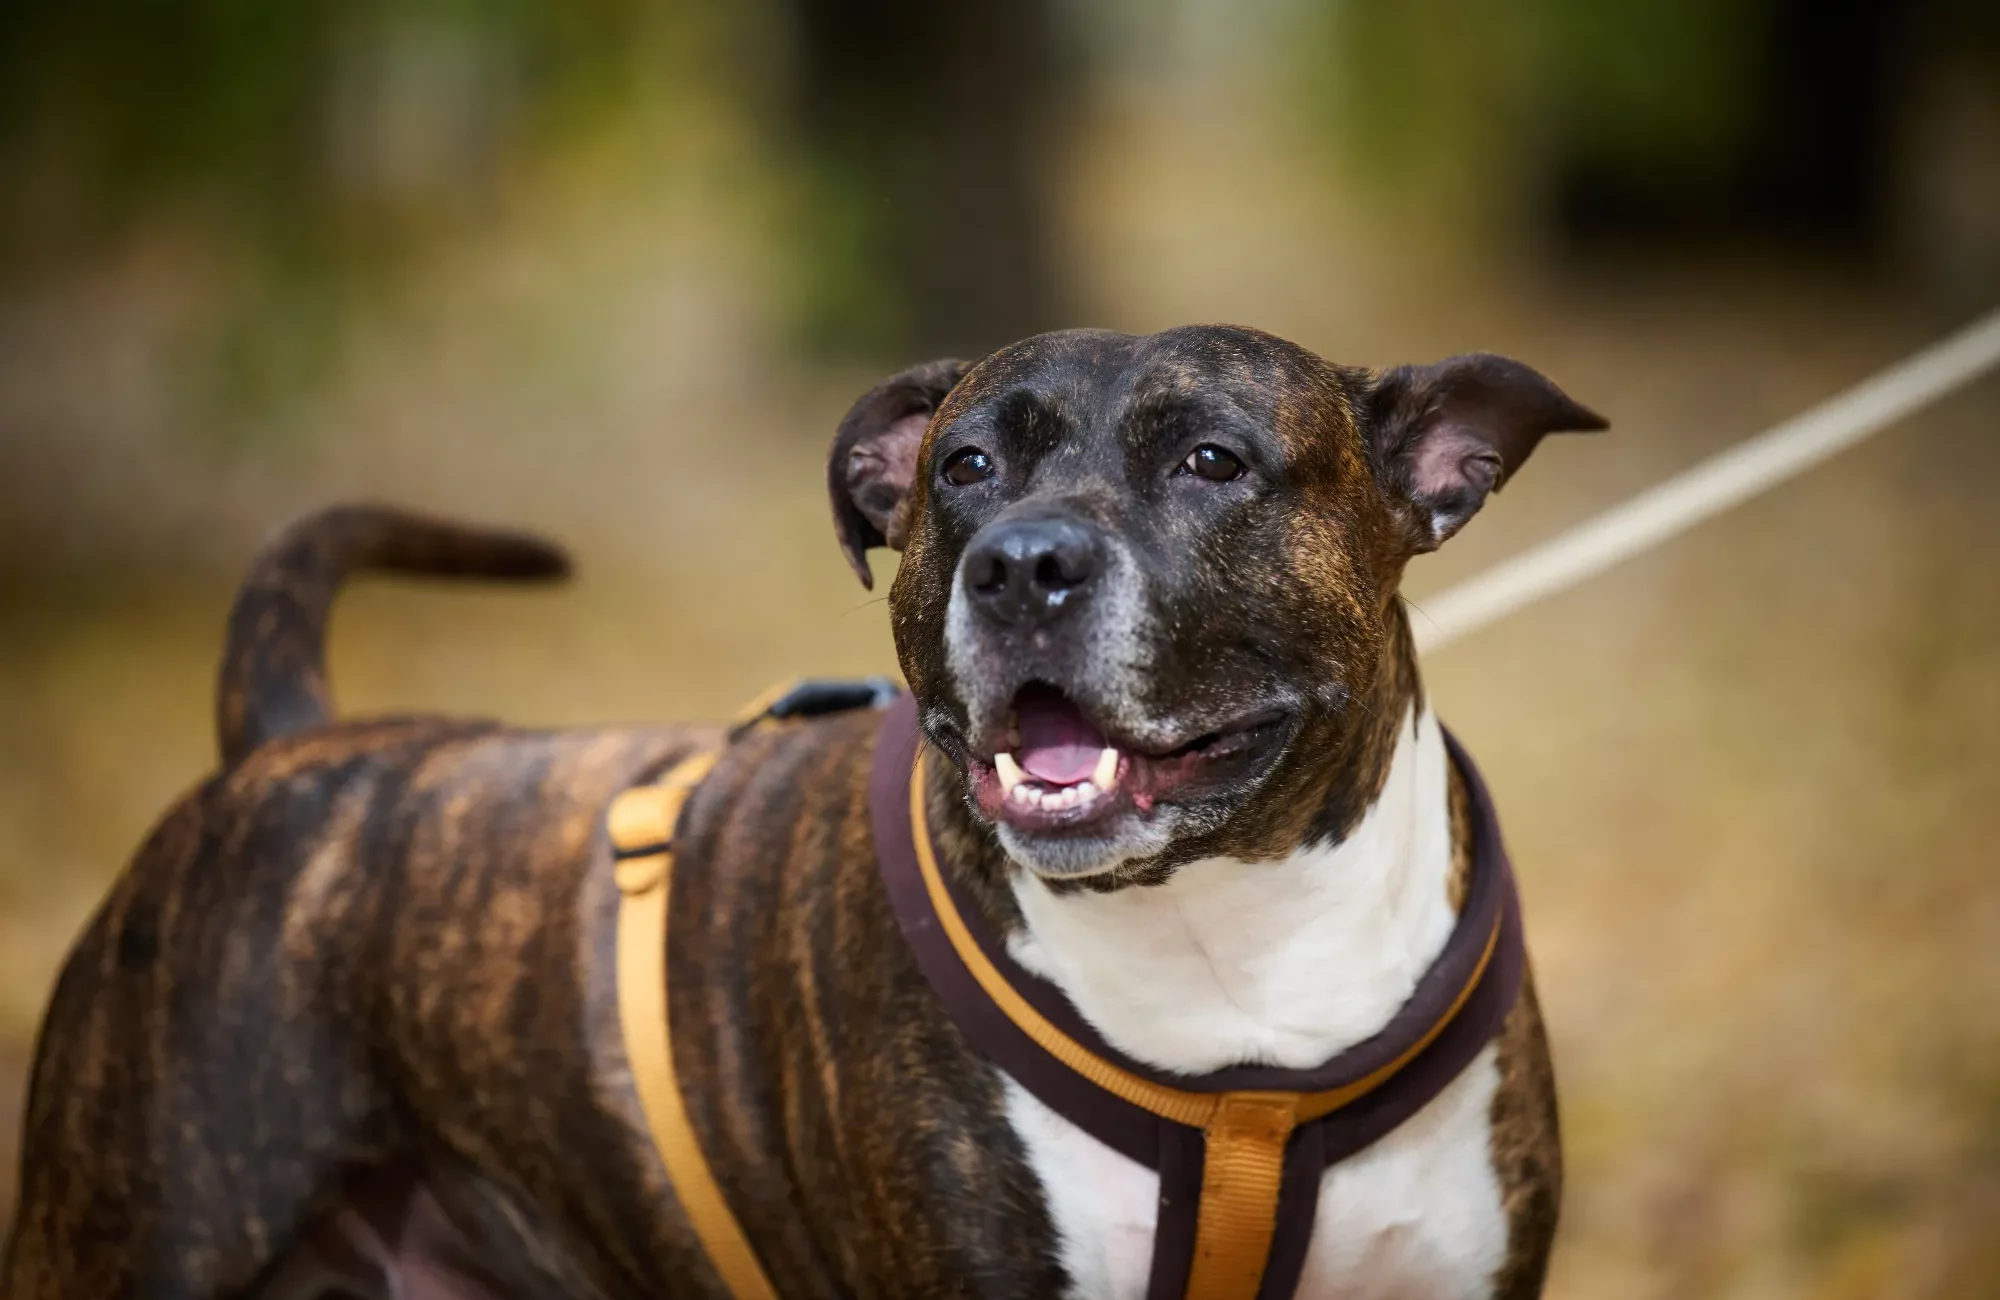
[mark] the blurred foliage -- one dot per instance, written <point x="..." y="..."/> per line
<point x="932" y="133"/>
<point x="305" y="157"/>
<point x="307" y="152"/>
<point x="1572" y="118"/>
<point x="901" y="160"/>
<point x="327" y="143"/>
<point x="1470" y="108"/>
<point x="308" y="124"/>
<point x="1668" y="84"/>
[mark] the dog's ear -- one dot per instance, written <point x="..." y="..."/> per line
<point x="1445" y="435"/>
<point x="874" y="459"/>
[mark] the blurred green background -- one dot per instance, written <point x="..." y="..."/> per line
<point x="614" y="268"/>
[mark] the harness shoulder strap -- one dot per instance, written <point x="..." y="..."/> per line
<point x="642" y="823"/>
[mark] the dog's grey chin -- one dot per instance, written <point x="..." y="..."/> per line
<point x="1075" y="856"/>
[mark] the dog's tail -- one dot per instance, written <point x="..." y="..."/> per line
<point x="273" y="679"/>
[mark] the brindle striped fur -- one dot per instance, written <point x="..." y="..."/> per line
<point x="385" y="949"/>
<point x="389" y="944"/>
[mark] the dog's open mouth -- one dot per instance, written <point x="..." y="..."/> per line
<point x="1057" y="770"/>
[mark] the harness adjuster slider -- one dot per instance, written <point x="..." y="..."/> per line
<point x="642" y="821"/>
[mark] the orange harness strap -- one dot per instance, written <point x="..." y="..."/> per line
<point x="642" y="824"/>
<point x="1245" y="1133"/>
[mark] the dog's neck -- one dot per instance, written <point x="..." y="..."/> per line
<point x="1282" y="963"/>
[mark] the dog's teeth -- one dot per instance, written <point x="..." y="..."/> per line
<point x="1018" y="788"/>
<point x="1106" y="770"/>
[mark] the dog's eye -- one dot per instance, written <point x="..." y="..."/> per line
<point x="967" y="466"/>
<point x="1211" y="462"/>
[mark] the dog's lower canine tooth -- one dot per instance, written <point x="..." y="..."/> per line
<point x="1008" y="771"/>
<point x="1106" y="770"/>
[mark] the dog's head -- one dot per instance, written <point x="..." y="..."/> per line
<point x="1148" y="584"/>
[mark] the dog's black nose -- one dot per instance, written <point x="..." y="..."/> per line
<point x="1026" y="571"/>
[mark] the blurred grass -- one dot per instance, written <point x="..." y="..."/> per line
<point x="1748" y="779"/>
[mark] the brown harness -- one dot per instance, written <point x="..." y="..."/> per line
<point x="1240" y="1152"/>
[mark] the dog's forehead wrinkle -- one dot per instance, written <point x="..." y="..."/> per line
<point x="1093" y="382"/>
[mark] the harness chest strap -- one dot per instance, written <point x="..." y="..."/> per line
<point x="1245" y="1132"/>
<point x="1240" y="1152"/>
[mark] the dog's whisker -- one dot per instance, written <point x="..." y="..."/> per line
<point x="1411" y="604"/>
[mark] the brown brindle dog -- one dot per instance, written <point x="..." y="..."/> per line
<point x="1148" y="608"/>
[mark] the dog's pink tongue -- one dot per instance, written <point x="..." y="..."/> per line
<point x="1058" y="744"/>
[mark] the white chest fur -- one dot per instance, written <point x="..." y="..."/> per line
<point x="1284" y="964"/>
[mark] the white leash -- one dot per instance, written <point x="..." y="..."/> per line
<point x="1723" y="480"/>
